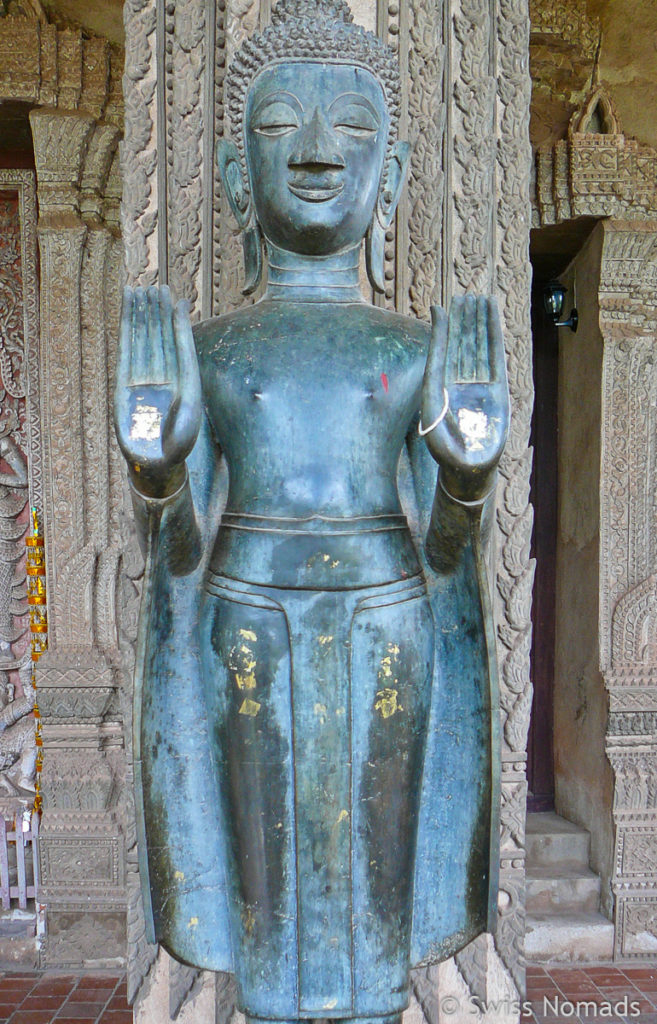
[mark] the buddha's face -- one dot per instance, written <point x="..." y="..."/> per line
<point x="315" y="140"/>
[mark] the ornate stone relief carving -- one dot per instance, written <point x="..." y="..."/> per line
<point x="419" y="222"/>
<point x="72" y="84"/>
<point x="20" y="446"/>
<point x="511" y="282"/>
<point x="18" y="750"/>
<point x="596" y="171"/>
<point x="185" y="193"/>
<point x="628" y="588"/>
<point x="46" y="66"/>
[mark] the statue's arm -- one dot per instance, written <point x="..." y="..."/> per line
<point x="185" y="522"/>
<point x="464" y="424"/>
<point x="159" y="423"/>
<point x="453" y="468"/>
<point x="446" y="526"/>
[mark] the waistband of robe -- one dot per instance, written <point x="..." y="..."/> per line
<point x="317" y="553"/>
<point x="317" y="524"/>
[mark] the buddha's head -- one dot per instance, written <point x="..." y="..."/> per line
<point x="313" y="103"/>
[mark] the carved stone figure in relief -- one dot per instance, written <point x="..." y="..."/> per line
<point x="316" y="707"/>
<point x="18" y="751"/>
<point x="13" y="496"/>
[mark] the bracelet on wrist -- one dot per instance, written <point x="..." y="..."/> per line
<point x="467" y="504"/>
<point x="164" y="499"/>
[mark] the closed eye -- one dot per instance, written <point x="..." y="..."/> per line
<point x="275" y="117"/>
<point x="274" y="129"/>
<point x="355" y="116"/>
<point x="359" y="130"/>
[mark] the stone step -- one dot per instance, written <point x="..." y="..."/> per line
<point x="18" y="944"/>
<point x="568" y="938"/>
<point x="561" y="890"/>
<point x="19" y="952"/>
<point x="551" y="841"/>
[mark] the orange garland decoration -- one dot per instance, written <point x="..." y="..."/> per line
<point x="37" y="601"/>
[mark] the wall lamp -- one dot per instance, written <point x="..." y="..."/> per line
<point x="554" y="295"/>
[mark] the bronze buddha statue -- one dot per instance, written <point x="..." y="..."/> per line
<point x="316" y="706"/>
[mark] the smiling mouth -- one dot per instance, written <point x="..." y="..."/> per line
<point x="315" y="194"/>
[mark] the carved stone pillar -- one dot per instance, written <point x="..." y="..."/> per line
<point x="60" y="142"/>
<point x="81" y="839"/>
<point x="628" y="571"/>
<point x="21" y="477"/>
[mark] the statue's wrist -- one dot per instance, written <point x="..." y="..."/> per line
<point x="472" y="495"/>
<point x="154" y="489"/>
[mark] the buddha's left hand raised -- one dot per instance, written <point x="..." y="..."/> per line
<point x="465" y="396"/>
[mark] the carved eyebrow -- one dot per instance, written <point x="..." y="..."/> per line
<point x="349" y="98"/>
<point x="280" y="96"/>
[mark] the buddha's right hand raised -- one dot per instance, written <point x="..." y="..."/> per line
<point x="157" y="401"/>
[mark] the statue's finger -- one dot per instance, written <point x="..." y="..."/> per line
<point x="156" y="356"/>
<point x="483" y="350"/>
<point x="433" y="385"/>
<point x="124" y="361"/>
<point x="124" y="358"/>
<point x="453" y="339"/>
<point x="496" y="356"/>
<point x="140" y="353"/>
<point x="434" y="374"/>
<point x="468" y="340"/>
<point x="189" y="379"/>
<point x="168" y="340"/>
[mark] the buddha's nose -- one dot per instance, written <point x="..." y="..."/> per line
<point x="316" y="149"/>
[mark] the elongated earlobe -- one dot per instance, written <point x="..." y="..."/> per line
<point x="230" y="172"/>
<point x="252" y="246"/>
<point x="375" y="254"/>
<point x="389" y="195"/>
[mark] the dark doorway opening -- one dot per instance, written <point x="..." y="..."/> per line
<point x="544" y="497"/>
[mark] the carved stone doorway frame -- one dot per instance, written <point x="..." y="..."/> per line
<point x="602" y="174"/>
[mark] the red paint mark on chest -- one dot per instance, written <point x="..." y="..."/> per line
<point x="384" y="381"/>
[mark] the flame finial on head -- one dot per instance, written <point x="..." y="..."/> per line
<point x="335" y="10"/>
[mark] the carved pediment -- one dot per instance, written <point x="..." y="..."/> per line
<point x="596" y="116"/>
<point x="596" y="171"/>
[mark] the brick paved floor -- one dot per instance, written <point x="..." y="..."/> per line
<point x="39" y="998"/>
<point x="605" y="993"/>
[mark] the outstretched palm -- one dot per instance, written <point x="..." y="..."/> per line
<point x="157" y="401"/>
<point x="465" y="378"/>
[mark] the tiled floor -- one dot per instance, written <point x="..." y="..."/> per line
<point x="64" y="998"/>
<point x="615" y="995"/>
<point x="604" y="993"/>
